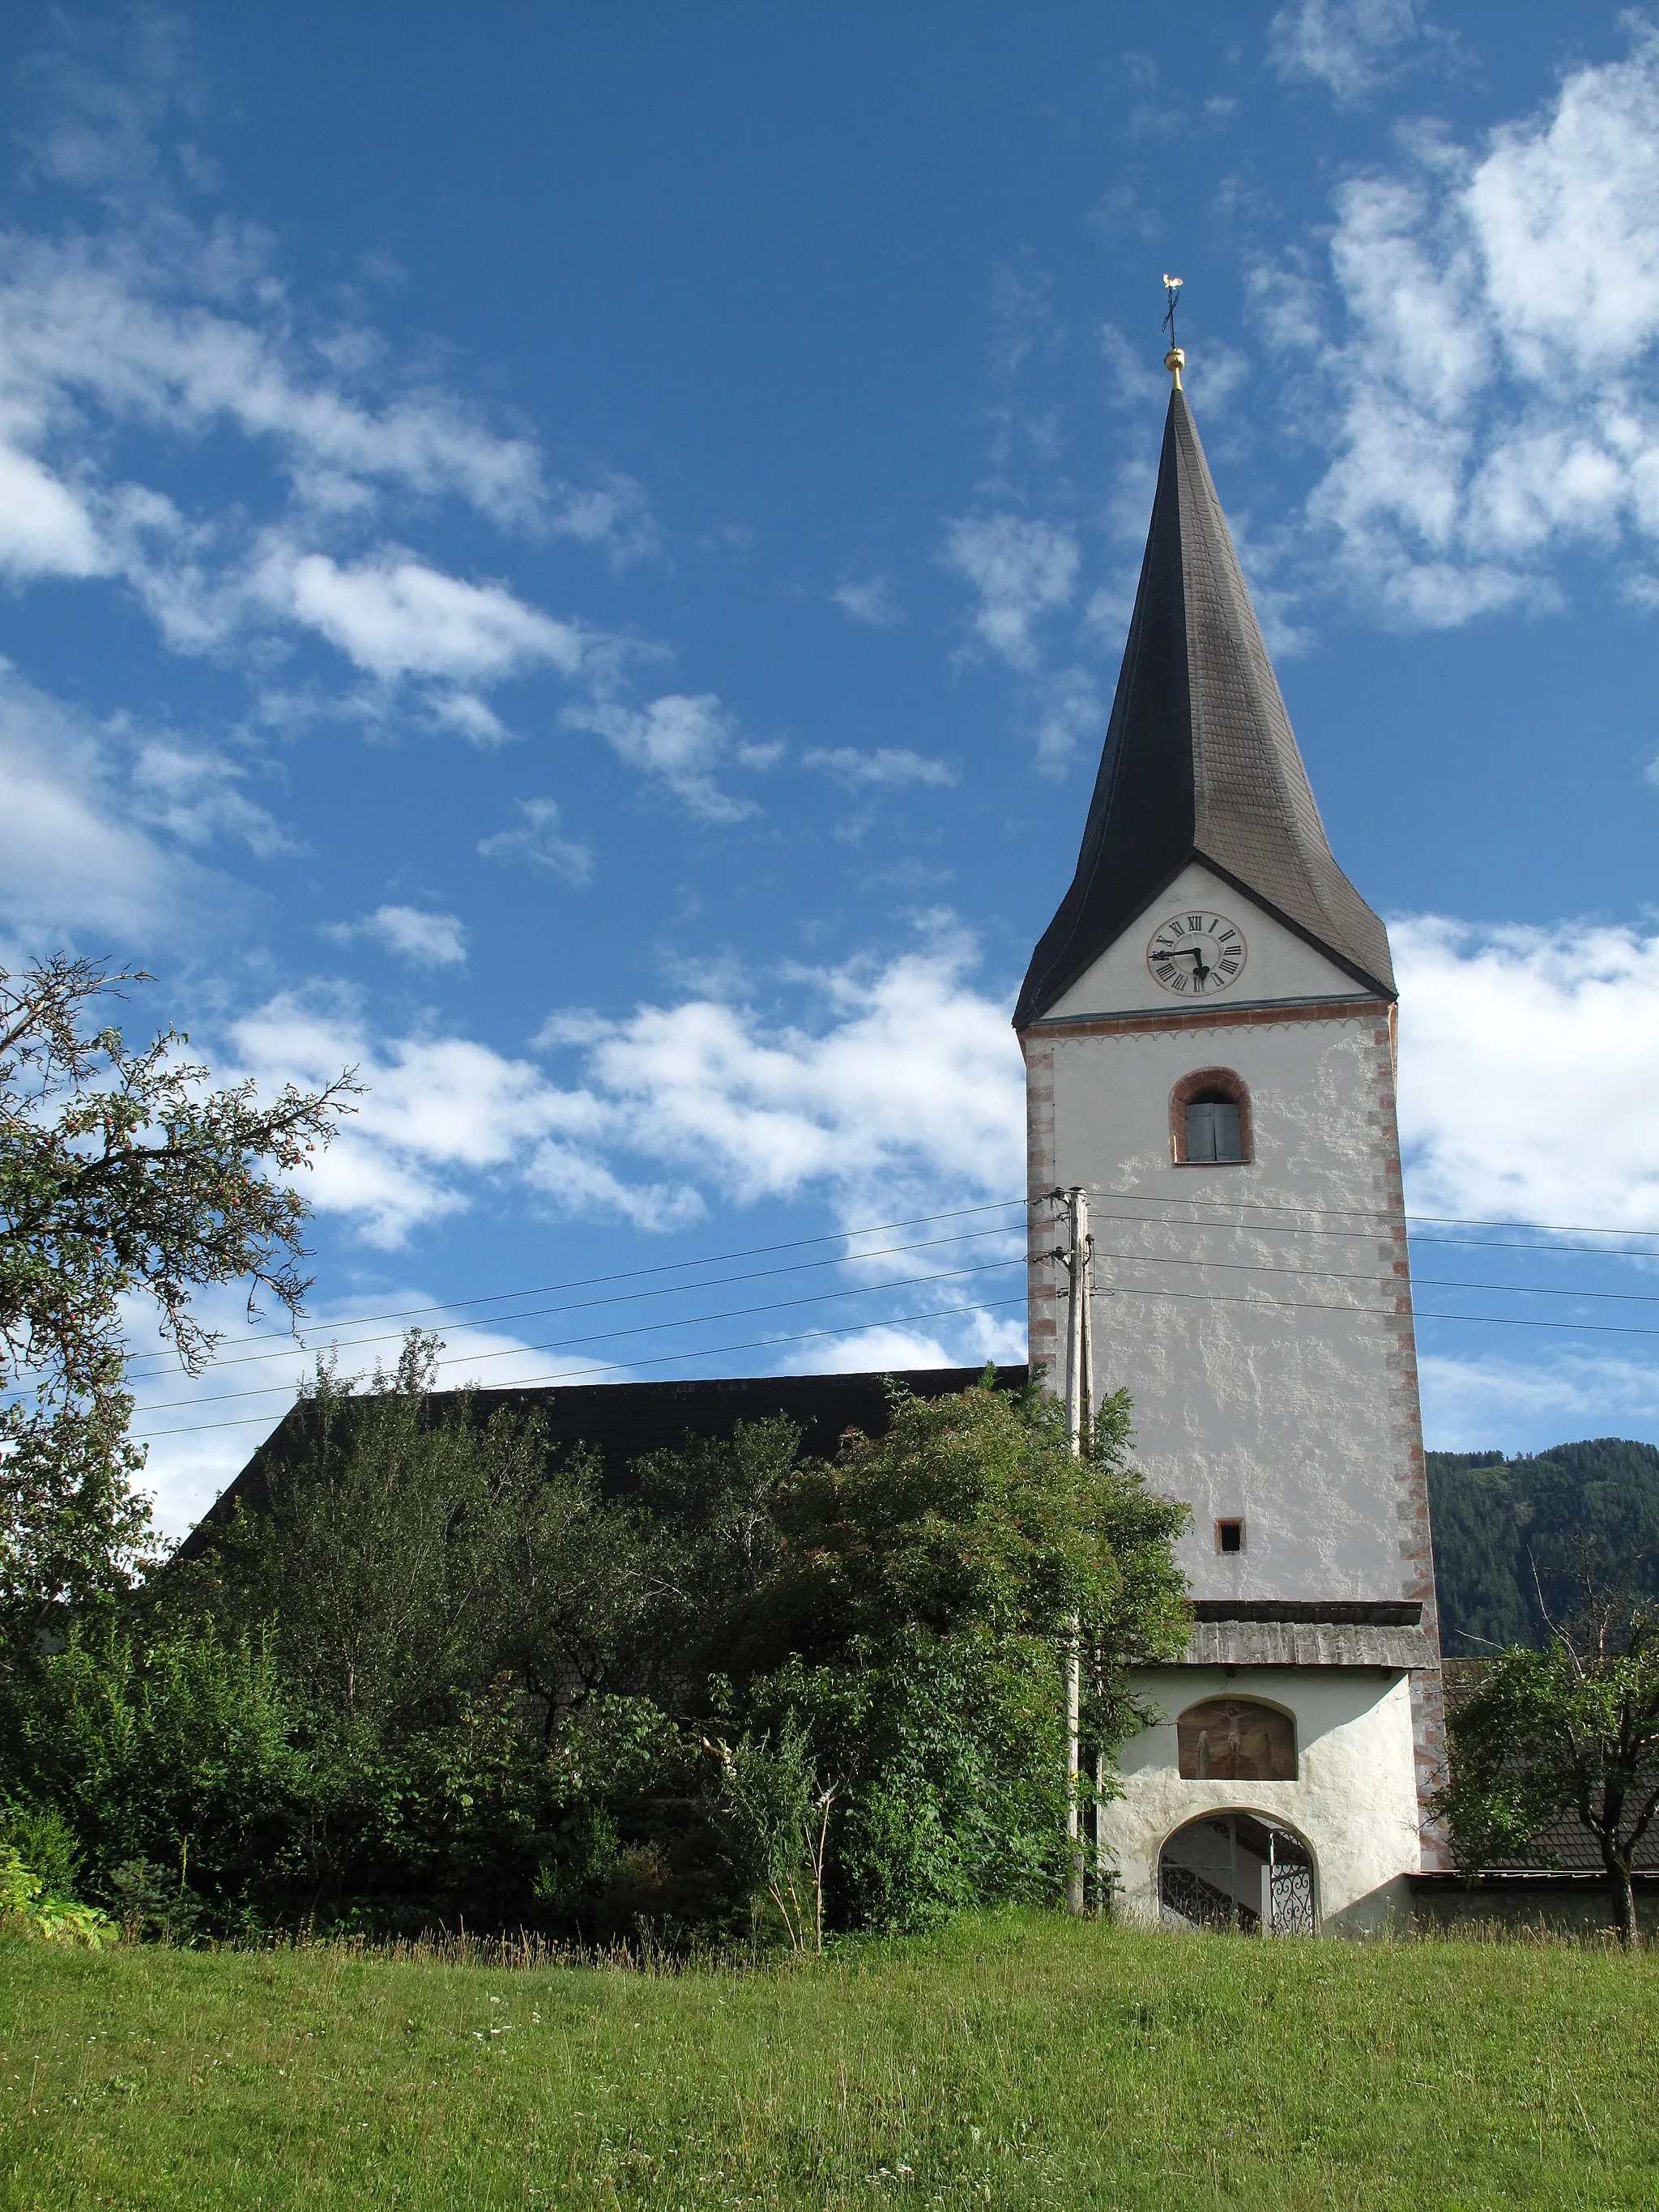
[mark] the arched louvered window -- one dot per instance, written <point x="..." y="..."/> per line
<point x="1212" y="1131"/>
<point x="1210" y="1120"/>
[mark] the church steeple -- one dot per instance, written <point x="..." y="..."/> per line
<point x="1199" y="761"/>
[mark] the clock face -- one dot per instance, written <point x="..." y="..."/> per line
<point x="1196" y="954"/>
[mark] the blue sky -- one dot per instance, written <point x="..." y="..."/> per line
<point x="576" y="559"/>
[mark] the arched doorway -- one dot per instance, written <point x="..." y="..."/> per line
<point x="1237" y="1871"/>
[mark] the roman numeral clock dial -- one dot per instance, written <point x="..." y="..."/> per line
<point x="1196" y="954"/>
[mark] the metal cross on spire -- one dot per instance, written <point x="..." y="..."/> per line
<point x="1175" y="361"/>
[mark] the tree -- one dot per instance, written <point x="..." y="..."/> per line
<point x="180" y="1754"/>
<point x="773" y="1823"/>
<point x="452" y="1607"/>
<point x="120" y="1172"/>
<point x="925" y="1585"/>
<point x="967" y="1510"/>
<point x="412" y="1549"/>
<point x="1569" y="1732"/>
<point x="73" y="1530"/>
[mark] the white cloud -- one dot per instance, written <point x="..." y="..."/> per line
<point x="614" y="514"/>
<point x="1353" y="46"/>
<point x="98" y="325"/>
<point x="439" y="1117"/>
<point x="204" y="1429"/>
<point x="70" y="857"/>
<point x="888" y="764"/>
<point x="869" y="599"/>
<point x="1213" y="375"/>
<point x="149" y="335"/>
<point x="913" y="1086"/>
<point x="1487" y="1402"/>
<point x="393" y="616"/>
<point x="680" y="742"/>
<point x="466" y="713"/>
<point x="887" y="1349"/>
<point x="102" y="825"/>
<point x="1140" y="380"/>
<point x="1068" y="714"/>
<point x="537" y="840"/>
<point x="1529" y="1061"/>
<point x="82" y="349"/>
<point x="1487" y="387"/>
<point x="1023" y="571"/>
<point x="198" y="795"/>
<point x="430" y="941"/>
<point x="44" y="528"/>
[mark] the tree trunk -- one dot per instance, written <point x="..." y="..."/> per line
<point x="1622" y="1896"/>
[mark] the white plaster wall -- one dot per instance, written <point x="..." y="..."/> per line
<point x="1354" y="1803"/>
<point x="1278" y="963"/>
<point x="1261" y="1348"/>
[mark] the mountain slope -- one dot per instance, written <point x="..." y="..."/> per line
<point x="1509" y="1535"/>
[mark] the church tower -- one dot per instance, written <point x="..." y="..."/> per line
<point x="1208" y="1026"/>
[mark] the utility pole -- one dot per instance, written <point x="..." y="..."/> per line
<point x="1079" y="1409"/>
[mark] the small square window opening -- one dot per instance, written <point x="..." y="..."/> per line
<point x="1229" y="1535"/>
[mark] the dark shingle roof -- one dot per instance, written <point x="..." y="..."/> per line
<point x="624" y="1421"/>
<point x="1200" y="761"/>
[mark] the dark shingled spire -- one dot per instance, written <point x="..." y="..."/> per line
<point x="1200" y="762"/>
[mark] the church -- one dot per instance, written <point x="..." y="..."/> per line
<point x="1209" y="1035"/>
<point x="1209" y="1032"/>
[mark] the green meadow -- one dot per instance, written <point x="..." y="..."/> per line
<point x="1016" y="2060"/>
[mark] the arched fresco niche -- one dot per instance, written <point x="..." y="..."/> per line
<point x="1236" y="1739"/>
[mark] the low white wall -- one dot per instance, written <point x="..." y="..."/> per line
<point x="1354" y="1801"/>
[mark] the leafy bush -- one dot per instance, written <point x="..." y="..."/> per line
<point x="434" y="1679"/>
<point x="182" y="1749"/>
<point x="912" y="1632"/>
<point x="26" y="1908"/>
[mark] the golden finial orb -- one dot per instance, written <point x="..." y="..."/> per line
<point x="1175" y="361"/>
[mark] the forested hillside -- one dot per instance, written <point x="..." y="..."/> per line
<point x="1506" y="1530"/>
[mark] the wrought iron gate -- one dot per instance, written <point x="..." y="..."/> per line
<point x="1290" y="1903"/>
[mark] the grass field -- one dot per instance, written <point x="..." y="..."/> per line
<point x="1018" y="2062"/>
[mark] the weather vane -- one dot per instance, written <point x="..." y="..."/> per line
<point x="1175" y="361"/>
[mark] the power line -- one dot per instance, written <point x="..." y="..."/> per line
<point x="663" y="1359"/>
<point x="901" y="1321"/>
<point x="1311" y="1305"/>
<point x="968" y="1236"/>
<point x="643" y="1328"/>
<point x="1369" y="1236"/>
<point x="1152" y="1218"/>
<point x="626" y="1298"/>
<point x="1381" y="1213"/>
<point x="1132" y="1258"/>
<point x="1159" y="1212"/>
<point x="664" y="1268"/>
<point x="1404" y="1282"/>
